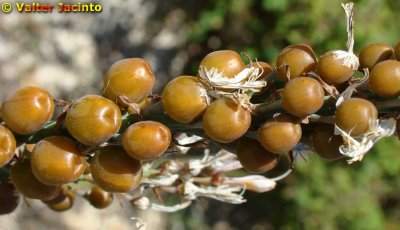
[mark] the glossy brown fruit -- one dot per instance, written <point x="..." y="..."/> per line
<point x="7" y="146"/>
<point x="146" y="140"/>
<point x="300" y="58"/>
<point x="333" y="69"/>
<point x="131" y="77"/>
<point x="9" y="198"/>
<point x="397" y="51"/>
<point x="265" y="68"/>
<point x="384" y="79"/>
<point x="93" y="120"/>
<point x="325" y="143"/>
<point x="114" y="171"/>
<point x="225" y="121"/>
<point x="374" y="53"/>
<point x="27" y="110"/>
<point x="302" y="96"/>
<point x="280" y="134"/>
<point x="184" y="99"/>
<point x="26" y="183"/>
<point x="99" y="198"/>
<point x="356" y="116"/>
<point x="226" y="61"/>
<point x="63" y="202"/>
<point x="254" y="158"/>
<point x="56" y="160"/>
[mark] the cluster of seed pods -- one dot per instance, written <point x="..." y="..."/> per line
<point x="336" y="105"/>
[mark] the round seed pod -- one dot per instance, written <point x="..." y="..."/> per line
<point x="27" y="110"/>
<point x="99" y="198"/>
<point x="300" y="58"/>
<point x="384" y="79"/>
<point x="184" y="99"/>
<point x="253" y="157"/>
<point x="336" y="67"/>
<point x="227" y="62"/>
<point x="280" y="134"/>
<point x="356" y="116"/>
<point x="114" y="171"/>
<point x="374" y="53"/>
<point x="325" y="143"/>
<point x="7" y="146"/>
<point x="302" y="96"/>
<point x="9" y="198"/>
<point x="26" y="183"/>
<point x="131" y="77"/>
<point x="225" y="121"/>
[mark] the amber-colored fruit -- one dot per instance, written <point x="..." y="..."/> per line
<point x="302" y="96"/>
<point x="114" y="171"/>
<point x="280" y="134"/>
<point x="146" y="140"/>
<point x="93" y="120"/>
<point x="384" y="79"/>
<point x="27" y="110"/>
<point x="131" y="77"/>
<point x="7" y="145"/>
<point x="100" y="198"/>
<point x="9" y="198"/>
<point x="226" y="121"/>
<point x="300" y="58"/>
<point x="253" y="157"/>
<point x="333" y="69"/>
<point x="325" y="143"/>
<point x="374" y="53"/>
<point x="63" y="202"/>
<point x="56" y="160"/>
<point x="265" y="68"/>
<point x="184" y="99"/>
<point x="356" y="116"/>
<point x="26" y="183"/>
<point x="226" y="61"/>
<point x="397" y="51"/>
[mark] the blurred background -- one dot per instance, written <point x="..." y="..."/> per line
<point x="68" y="54"/>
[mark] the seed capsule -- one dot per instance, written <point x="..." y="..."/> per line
<point x="27" y="110"/>
<point x="7" y="146"/>
<point x="184" y="99"/>
<point x="384" y="79"/>
<point x="325" y="143"/>
<point x="302" y="96"/>
<point x="227" y="62"/>
<point x="356" y="116"/>
<point x="374" y="53"/>
<point x="280" y="134"/>
<point x="225" y="121"/>
<point x="254" y="158"/>
<point x="131" y="77"/>
<point x="300" y="58"/>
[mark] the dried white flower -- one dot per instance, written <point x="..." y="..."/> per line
<point x="349" y="59"/>
<point x="141" y="203"/>
<point x="161" y="180"/>
<point x="357" y="147"/>
<point x="256" y="183"/>
<point x="174" y="208"/>
<point x="246" y="79"/>
<point x="224" y="193"/>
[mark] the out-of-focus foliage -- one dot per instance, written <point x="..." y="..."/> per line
<point x="263" y="27"/>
